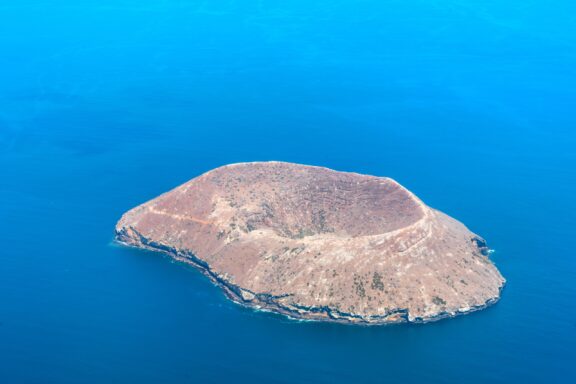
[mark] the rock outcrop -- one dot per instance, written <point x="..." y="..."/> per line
<point x="314" y="243"/>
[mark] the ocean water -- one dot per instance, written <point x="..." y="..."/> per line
<point x="105" y="104"/>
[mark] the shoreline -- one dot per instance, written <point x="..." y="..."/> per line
<point x="267" y="303"/>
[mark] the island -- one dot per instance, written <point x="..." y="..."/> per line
<point x="318" y="244"/>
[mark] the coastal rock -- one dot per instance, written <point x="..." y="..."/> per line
<point x="314" y="243"/>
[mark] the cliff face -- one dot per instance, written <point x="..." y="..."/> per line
<point x="315" y="243"/>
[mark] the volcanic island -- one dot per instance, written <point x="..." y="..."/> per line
<point x="317" y="244"/>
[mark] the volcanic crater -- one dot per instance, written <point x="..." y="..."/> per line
<point x="314" y="243"/>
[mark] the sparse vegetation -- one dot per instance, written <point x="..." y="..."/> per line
<point x="438" y="300"/>
<point x="377" y="282"/>
<point x="359" y="285"/>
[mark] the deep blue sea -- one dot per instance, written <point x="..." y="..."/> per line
<point x="105" y="104"/>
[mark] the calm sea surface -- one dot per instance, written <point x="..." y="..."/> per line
<point x="105" y="104"/>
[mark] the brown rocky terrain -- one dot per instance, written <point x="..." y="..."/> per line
<point x="313" y="243"/>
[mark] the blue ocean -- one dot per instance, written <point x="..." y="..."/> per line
<point x="105" y="104"/>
